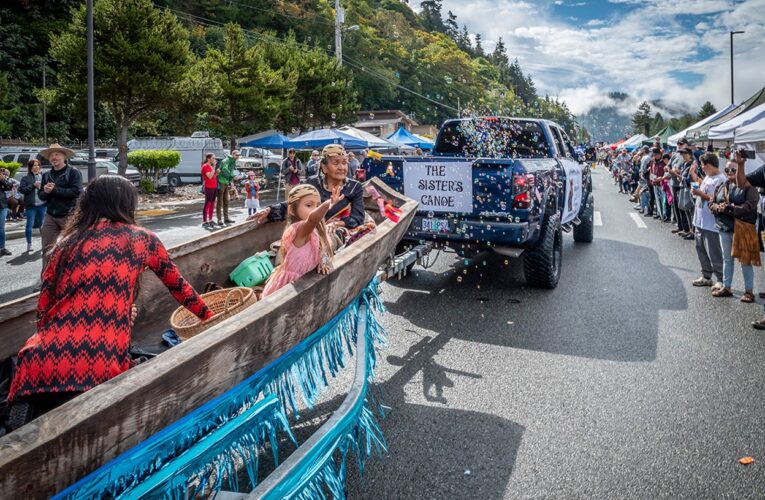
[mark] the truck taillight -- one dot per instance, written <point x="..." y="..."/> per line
<point x="522" y="184"/>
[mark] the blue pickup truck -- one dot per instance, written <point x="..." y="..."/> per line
<point x="510" y="185"/>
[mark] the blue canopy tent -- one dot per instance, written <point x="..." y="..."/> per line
<point x="406" y="138"/>
<point x="322" y="137"/>
<point x="270" y="141"/>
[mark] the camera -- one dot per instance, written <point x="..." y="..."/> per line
<point x="747" y="153"/>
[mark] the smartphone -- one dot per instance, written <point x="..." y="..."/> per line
<point x="747" y="153"/>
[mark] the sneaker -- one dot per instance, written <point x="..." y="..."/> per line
<point x="228" y="221"/>
<point x="689" y="236"/>
<point x="702" y="281"/>
<point x="675" y="231"/>
<point x="718" y="286"/>
<point x="219" y="223"/>
<point x="4" y="251"/>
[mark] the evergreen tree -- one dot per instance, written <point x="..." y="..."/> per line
<point x="641" y="120"/>
<point x="463" y="40"/>
<point x="141" y="55"/>
<point x="707" y="109"/>
<point x="478" y="46"/>
<point x="452" y="29"/>
<point x="250" y="95"/>
<point x="657" y="123"/>
<point x="432" y="19"/>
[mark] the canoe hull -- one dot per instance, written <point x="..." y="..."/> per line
<point x="62" y="446"/>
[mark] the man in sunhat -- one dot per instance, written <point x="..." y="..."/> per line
<point x="61" y="186"/>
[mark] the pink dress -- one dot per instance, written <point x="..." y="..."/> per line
<point x="297" y="261"/>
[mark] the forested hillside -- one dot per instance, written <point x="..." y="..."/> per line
<point x="420" y="61"/>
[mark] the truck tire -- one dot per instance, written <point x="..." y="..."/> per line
<point x="542" y="262"/>
<point x="583" y="233"/>
<point x="173" y="180"/>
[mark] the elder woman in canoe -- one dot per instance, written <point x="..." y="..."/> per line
<point x="333" y="173"/>
<point x="85" y="312"/>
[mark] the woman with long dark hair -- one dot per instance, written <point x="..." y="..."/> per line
<point x="85" y="311"/>
<point x="210" y="188"/>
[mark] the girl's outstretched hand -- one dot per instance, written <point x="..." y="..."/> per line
<point x="336" y="195"/>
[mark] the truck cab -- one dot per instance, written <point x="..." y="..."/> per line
<point x="510" y="185"/>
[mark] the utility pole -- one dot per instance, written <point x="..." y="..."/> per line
<point x="45" y="103"/>
<point x="91" y="98"/>
<point x="339" y="20"/>
<point x="731" y="63"/>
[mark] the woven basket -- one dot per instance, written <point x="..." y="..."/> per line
<point x="223" y="303"/>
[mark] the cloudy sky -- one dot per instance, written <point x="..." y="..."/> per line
<point x="671" y="49"/>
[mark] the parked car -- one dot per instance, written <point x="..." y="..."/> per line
<point x="131" y="174"/>
<point x="264" y="162"/>
<point x="192" y="150"/>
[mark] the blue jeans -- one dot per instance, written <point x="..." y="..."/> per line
<point x="726" y="241"/>
<point x="35" y="217"/>
<point x="645" y="201"/>
<point x="3" y="215"/>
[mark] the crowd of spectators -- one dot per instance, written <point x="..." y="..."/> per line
<point x="708" y="198"/>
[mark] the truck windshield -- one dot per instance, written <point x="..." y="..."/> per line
<point x="492" y="138"/>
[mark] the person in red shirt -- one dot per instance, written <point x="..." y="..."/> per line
<point x="657" y="174"/>
<point x="85" y="311"/>
<point x="210" y="183"/>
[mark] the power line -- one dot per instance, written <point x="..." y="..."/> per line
<point x="263" y="36"/>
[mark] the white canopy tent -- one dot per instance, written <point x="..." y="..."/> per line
<point x="726" y="131"/>
<point x="374" y="141"/>
<point x="672" y="139"/>
<point x="751" y="133"/>
<point x="635" y="140"/>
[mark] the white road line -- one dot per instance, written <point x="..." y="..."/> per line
<point x="596" y="219"/>
<point x="638" y="221"/>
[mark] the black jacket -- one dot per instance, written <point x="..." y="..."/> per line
<point x="63" y="198"/>
<point x="4" y="186"/>
<point x="27" y="188"/>
<point x="353" y="193"/>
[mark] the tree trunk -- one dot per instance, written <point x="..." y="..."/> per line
<point x="232" y="142"/>
<point x="122" y="138"/>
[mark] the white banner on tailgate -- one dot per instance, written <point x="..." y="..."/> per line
<point x="573" y="191"/>
<point x="440" y="186"/>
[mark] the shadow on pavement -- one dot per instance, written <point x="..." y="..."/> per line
<point x="485" y="300"/>
<point x="25" y="258"/>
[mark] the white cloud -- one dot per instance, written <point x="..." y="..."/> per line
<point x="633" y="53"/>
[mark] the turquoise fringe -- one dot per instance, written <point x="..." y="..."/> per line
<point x="171" y="460"/>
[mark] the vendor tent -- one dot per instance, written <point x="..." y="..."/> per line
<point x="672" y="140"/>
<point x="633" y="141"/>
<point x="268" y="140"/>
<point x="322" y="137"/>
<point x="617" y="144"/>
<point x="663" y="136"/>
<point x="403" y="136"/>
<point x="701" y="133"/>
<point x="725" y="131"/>
<point x="752" y="133"/>
<point x="373" y="142"/>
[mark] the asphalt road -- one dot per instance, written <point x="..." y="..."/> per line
<point x="624" y="382"/>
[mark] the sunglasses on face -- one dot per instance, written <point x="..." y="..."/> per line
<point x="730" y="170"/>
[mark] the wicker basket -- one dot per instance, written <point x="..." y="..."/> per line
<point x="223" y="303"/>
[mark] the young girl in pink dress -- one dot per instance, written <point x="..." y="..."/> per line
<point x="305" y="245"/>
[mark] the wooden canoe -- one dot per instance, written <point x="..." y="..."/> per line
<point x="62" y="446"/>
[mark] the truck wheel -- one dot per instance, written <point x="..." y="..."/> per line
<point x="542" y="262"/>
<point x="173" y="180"/>
<point x="583" y="233"/>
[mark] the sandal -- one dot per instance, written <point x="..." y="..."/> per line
<point x="722" y="292"/>
<point x="759" y="325"/>
<point x="748" y="298"/>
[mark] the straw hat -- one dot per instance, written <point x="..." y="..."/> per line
<point x="57" y="148"/>
<point x="333" y="150"/>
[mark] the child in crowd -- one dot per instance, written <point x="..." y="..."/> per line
<point x="251" y="188"/>
<point x="305" y="245"/>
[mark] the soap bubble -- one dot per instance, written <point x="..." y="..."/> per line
<point x="333" y="116"/>
<point x="371" y="116"/>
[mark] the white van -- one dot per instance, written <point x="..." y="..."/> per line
<point x="192" y="150"/>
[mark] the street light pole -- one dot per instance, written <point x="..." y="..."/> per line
<point x="91" y="98"/>
<point x="45" y="103"/>
<point x="731" y="63"/>
<point x="339" y="19"/>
